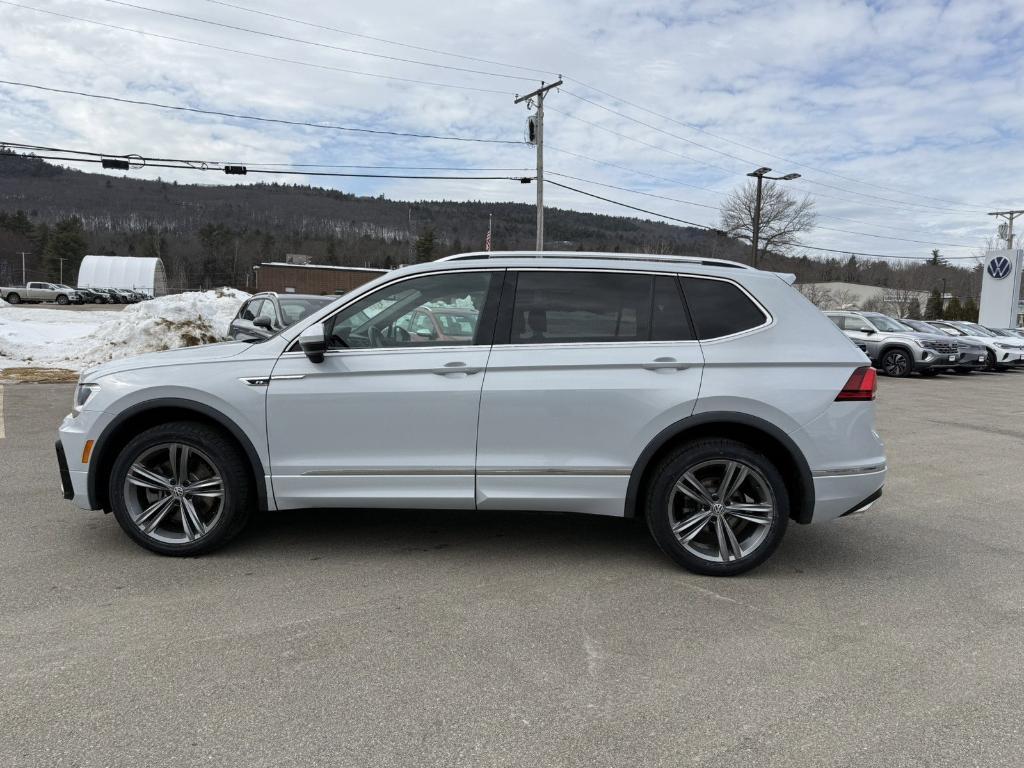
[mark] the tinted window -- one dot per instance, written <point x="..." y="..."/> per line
<point x="719" y="308"/>
<point x="383" y="318"/>
<point x="669" y="321"/>
<point x="294" y="309"/>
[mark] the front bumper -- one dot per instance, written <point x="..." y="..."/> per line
<point x="929" y="358"/>
<point x="74" y="432"/>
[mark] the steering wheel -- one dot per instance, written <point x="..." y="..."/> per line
<point x="375" y="337"/>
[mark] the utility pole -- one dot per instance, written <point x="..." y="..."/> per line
<point x="537" y="137"/>
<point x="23" y="255"/>
<point x="759" y="174"/>
<point x="61" y="260"/>
<point x="1009" y="216"/>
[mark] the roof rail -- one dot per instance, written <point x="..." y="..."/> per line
<point x="594" y="255"/>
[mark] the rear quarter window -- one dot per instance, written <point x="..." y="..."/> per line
<point x="720" y="308"/>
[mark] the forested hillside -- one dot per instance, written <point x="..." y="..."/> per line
<point x="212" y="235"/>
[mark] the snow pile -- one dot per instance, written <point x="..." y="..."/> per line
<point x="78" y="340"/>
<point x="4" y="303"/>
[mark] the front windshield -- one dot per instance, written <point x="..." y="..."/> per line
<point x="884" y="323"/>
<point x="951" y="330"/>
<point x="927" y="328"/>
<point x="976" y="330"/>
<point x="998" y="332"/>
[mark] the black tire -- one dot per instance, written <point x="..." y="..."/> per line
<point x="229" y="463"/>
<point x="990" y="361"/>
<point x="62" y="299"/>
<point x="13" y="298"/>
<point x="897" y="362"/>
<point x="929" y="372"/>
<point x="98" y="300"/>
<point x="663" y="502"/>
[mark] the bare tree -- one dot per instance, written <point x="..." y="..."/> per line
<point x="783" y="217"/>
<point x="820" y="297"/>
<point x="897" y="298"/>
<point x="843" y="298"/>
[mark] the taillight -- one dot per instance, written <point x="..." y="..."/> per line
<point x="860" y="386"/>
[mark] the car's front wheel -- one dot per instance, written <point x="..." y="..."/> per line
<point x="897" y="363"/>
<point x="181" y="488"/>
<point x="717" y="507"/>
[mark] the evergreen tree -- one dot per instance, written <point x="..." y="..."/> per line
<point x="954" y="310"/>
<point x="933" y="309"/>
<point x="969" y="311"/>
<point x="936" y="260"/>
<point x="425" y="245"/>
<point x="65" y="241"/>
<point x="914" y="309"/>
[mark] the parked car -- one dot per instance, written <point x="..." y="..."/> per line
<point x="895" y="348"/>
<point x="706" y="396"/>
<point x="38" y="293"/>
<point x="972" y="354"/>
<point x="93" y="296"/>
<point x="1007" y="337"/>
<point x="438" y="324"/>
<point x="1000" y="355"/>
<point x="268" y="313"/>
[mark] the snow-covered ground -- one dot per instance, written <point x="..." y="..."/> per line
<point x="52" y="338"/>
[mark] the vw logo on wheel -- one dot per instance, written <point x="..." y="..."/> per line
<point x="999" y="267"/>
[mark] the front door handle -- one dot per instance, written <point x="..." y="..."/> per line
<point x="665" y="363"/>
<point x="455" y="368"/>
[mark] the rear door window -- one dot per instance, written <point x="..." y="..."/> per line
<point x="719" y="308"/>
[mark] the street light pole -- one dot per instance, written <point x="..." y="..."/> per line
<point x="759" y="174"/>
<point x="23" y="255"/>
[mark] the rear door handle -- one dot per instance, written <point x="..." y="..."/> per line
<point x="665" y="363"/>
<point x="455" y="368"/>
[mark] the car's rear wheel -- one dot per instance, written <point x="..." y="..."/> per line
<point x="897" y="363"/>
<point x="181" y="488"/>
<point x="13" y="298"/>
<point x="717" y="507"/>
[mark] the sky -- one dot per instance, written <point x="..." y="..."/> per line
<point x="905" y="119"/>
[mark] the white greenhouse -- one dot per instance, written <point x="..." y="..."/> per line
<point x="137" y="273"/>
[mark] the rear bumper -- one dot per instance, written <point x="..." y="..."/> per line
<point x="840" y="494"/>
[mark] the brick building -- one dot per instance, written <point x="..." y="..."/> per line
<point x="311" y="278"/>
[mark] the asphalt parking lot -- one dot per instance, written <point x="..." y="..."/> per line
<point x="893" y="638"/>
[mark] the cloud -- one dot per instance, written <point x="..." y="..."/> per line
<point x="922" y="99"/>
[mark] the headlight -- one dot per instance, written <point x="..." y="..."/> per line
<point x="1005" y="346"/>
<point x="82" y="394"/>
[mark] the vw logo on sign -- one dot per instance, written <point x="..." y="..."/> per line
<point x="999" y="267"/>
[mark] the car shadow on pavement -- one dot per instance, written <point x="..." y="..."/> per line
<point x="839" y="547"/>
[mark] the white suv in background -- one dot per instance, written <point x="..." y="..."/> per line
<point x="708" y="397"/>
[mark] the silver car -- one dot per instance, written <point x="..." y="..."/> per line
<point x="972" y="355"/>
<point x="897" y="349"/>
<point x="707" y="397"/>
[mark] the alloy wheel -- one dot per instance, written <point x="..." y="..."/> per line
<point x="174" y="493"/>
<point x="721" y="510"/>
<point x="895" y="364"/>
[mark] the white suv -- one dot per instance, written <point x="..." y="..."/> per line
<point x="711" y="398"/>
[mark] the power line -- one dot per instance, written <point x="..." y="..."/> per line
<point x="678" y="182"/>
<point x="41" y="148"/>
<point x="267" y="57"/>
<point x="279" y="121"/>
<point x="313" y="42"/>
<point x="203" y="166"/>
<point x="699" y="129"/>
<point x="440" y="52"/>
<point x="731" y="171"/>
<point x="363" y="36"/>
<point x="713" y="229"/>
<point x="715" y="208"/>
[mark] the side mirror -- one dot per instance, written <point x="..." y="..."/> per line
<point x="262" y="322"/>
<point x="313" y="343"/>
<point x="868" y="331"/>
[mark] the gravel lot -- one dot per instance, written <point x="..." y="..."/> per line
<point x="419" y="639"/>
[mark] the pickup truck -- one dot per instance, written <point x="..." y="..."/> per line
<point x="37" y="293"/>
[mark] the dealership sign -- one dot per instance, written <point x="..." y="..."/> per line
<point x="1000" y="288"/>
